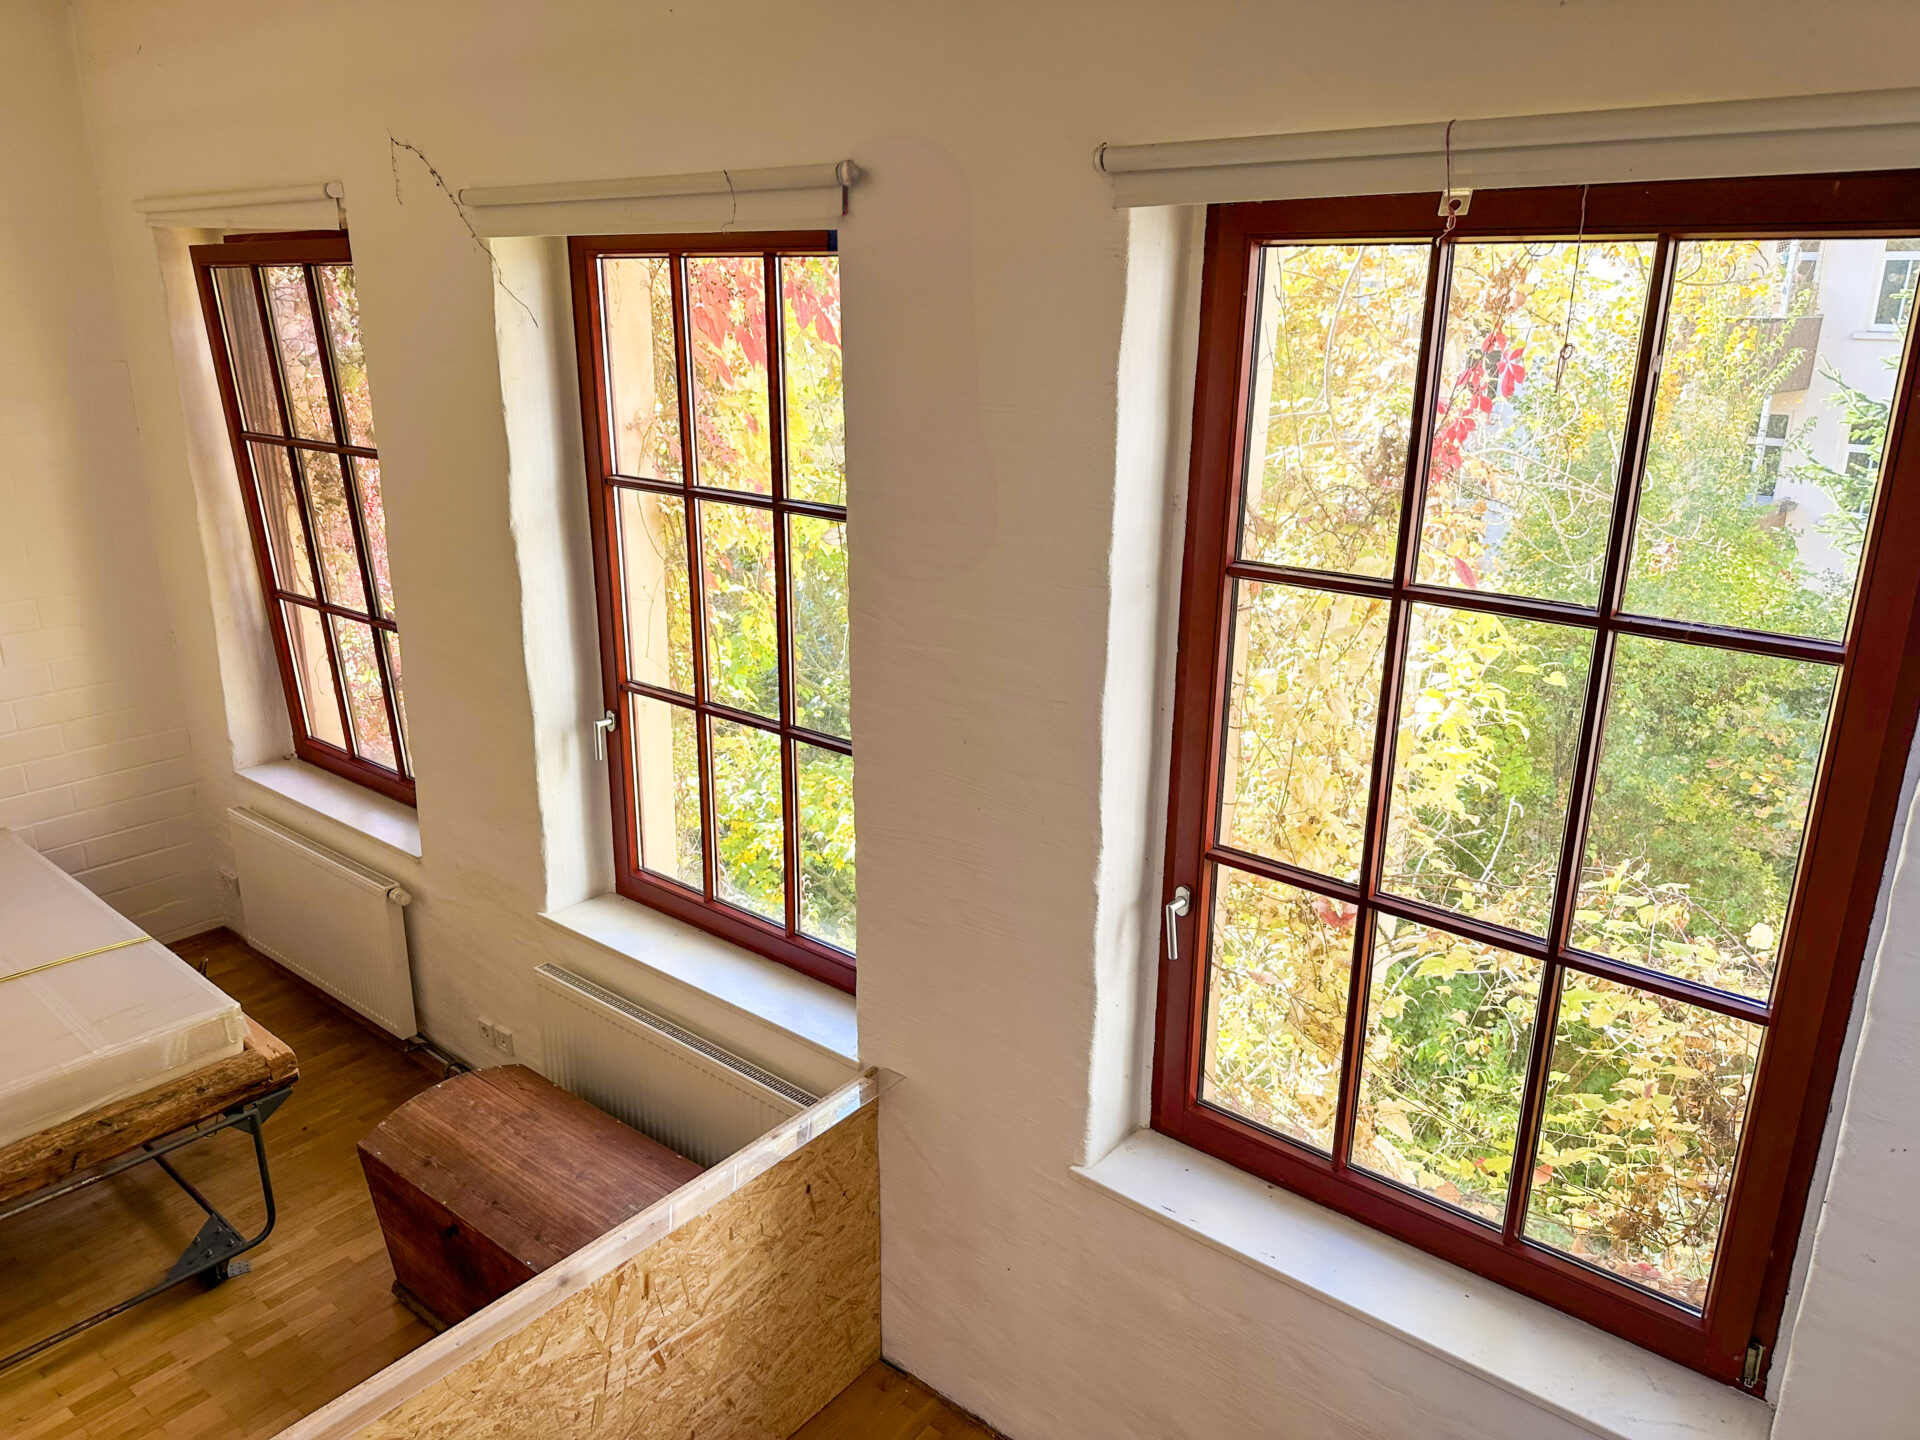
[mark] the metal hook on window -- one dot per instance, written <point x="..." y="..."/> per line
<point x="601" y="729"/>
<point x="1181" y="903"/>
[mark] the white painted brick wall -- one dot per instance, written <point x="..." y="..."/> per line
<point x="95" y="766"/>
<point x="97" y="773"/>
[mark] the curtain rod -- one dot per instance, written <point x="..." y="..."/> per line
<point x="840" y="175"/>
<point x="161" y="210"/>
<point x="1883" y="126"/>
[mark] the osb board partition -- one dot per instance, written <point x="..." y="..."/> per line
<point x="737" y="1306"/>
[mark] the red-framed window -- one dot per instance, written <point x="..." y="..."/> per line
<point x="710" y="375"/>
<point x="283" y="320"/>
<point x="1534" y="768"/>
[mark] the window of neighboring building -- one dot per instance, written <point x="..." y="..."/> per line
<point x="283" y="318"/>
<point x="1769" y="446"/>
<point x="1863" y="449"/>
<point x="1895" y="304"/>
<point x="710" y="385"/>
<point x="1531" y="784"/>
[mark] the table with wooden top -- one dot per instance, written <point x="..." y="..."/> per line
<point x="240" y="1092"/>
<point x="492" y="1176"/>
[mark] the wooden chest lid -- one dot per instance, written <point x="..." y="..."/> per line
<point x="537" y="1170"/>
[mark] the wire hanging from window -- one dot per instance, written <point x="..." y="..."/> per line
<point x="1573" y="289"/>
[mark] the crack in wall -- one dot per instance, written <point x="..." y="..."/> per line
<point x="394" y="146"/>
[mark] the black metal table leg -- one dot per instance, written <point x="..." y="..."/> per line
<point x="211" y="1252"/>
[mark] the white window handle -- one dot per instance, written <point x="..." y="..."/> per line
<point x="601" y="729"/>
<point x="1181" y="903"/>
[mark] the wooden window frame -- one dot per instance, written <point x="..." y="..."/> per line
<point x="304" y="248"/>
<point x="1850" y="821"/>
<point x="784" y="943"/>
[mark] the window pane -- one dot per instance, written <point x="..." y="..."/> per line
<point x="1640" y="1132"/>
<point x="749" y="828"/>
<point x="666" y="789"/>
<point x="247" y="350"/>
<point x="1489" y="727"/>
<point x="653" y="568"/>
<point x="817" y="565"/>
<point x="1277" y="1005"/>
<point x="1895" y="301"/>
<point x="1298" y="756"/>
<point x="1520" y="485"/>
<point x="826" y="844"/>
<point x="1449" y="1028"/>
<point x="341" y="299"/>
<point x="366" y="695"/>
<point x="392" y="640"/>
<point x="313" y="671"/>
<point x="643" y="381"/>
<point x="299" y="351"/>
<point x="373" y="519"/>
<point x="727" y="306"/>
<point x="816" y="427"/>
<point x="333" y="528"/>
<point x="1699" y="809"/>
<point x="1744" y="339"/>
<point x="743" y="633"/>
<point x="1331" y="404"/>
<point x="280" y="512"/>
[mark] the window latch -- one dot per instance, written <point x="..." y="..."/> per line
<point x="1181" y="903"/>
<point x="601" y="729"/>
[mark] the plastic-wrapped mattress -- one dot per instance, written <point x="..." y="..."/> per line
<point x="93" y="1030"/>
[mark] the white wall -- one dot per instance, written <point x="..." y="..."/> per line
<point x="95" y="765"/>
<point x="1010" y="586"/>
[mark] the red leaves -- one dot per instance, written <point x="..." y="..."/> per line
<point x="1494" y="369"/>
<point x="729" y="304"/>
<point x="1469" y="577"/>
<point x="1336" y="913"/>
<point x="809" y="310"/>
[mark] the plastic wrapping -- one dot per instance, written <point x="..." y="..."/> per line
<point x="94" y="1030"/>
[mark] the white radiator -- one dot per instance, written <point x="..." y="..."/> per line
<point x="664" y="1081"/>
<point x="327" y="919"/>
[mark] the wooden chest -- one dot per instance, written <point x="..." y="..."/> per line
<point x="488" y="1178"/>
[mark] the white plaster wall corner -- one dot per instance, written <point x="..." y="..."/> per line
<point x="1154" y="380"/>
<point x="1850" y="1365"/>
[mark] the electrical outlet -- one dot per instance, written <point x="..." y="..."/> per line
<point x="487" y="1032"/>
<point x="503" y="1038"/>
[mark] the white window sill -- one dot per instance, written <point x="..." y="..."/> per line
<point x="813" y="1013"/>
<point x="1878" y="332"/>
<point x="1556" y="1362"/>
<point x="385" y="821"/>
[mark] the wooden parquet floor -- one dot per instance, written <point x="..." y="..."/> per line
<point x="889" y="1404"/>
<point x="311" y="1320"/>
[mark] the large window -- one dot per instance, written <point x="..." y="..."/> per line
<point x="283" y="317"/>
<point x="1532" y="784"/>
<point x="710" y="384"/>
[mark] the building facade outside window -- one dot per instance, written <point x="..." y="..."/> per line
<point x="1531" y="782"/>
<point x="283" y="320"/>
<point x="711" y="391"/>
